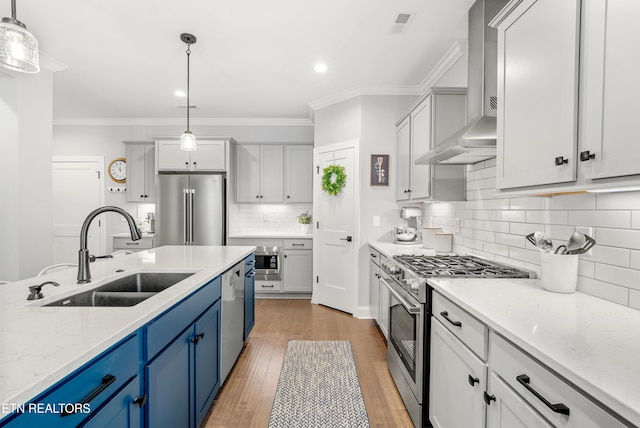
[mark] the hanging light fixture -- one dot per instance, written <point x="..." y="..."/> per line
<point x="18" y="47"/>
<point x="187" y="139"/>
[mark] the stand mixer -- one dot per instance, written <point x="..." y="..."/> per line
<point x="411" y="231"/>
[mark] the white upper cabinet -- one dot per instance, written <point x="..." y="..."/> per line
<point x="610" y="94"/>
<point x="141" y="183"/>
<point x="566" y="78"/>
<point x="211" y="155"/>
<point x="436" y="116"/>
<point x="538" y="87"/>
<point x="259" y="173"/>
<point x="298" y="173"/>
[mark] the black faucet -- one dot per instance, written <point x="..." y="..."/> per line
<point x="84" y="275"/>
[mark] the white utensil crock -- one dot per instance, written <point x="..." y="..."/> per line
<point x="559" y="272"/>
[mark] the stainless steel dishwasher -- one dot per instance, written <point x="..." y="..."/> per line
<point x="232" y="324"/>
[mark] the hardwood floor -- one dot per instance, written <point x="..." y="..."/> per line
<point x="246" y="397"/>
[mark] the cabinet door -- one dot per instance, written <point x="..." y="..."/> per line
<point x="506" y="409"/>
<point x="206" y="363"/>
<point x="150" y="173"/>
<point x="610" y="93"/>
<point x="271" y="173"/>
<point x="136" y="172"/>
<point x="374" y="291"/>
<point x="168" y="381"/>
<point x="171" y="158"/>
<point x="247" y="173"/>
<point x="249" y="302"/>
<point x="298" y="271"/>
<point x="385" y="303"/>
<point x="457" y="381"/>
<point x="120" y="411"/>
<point x="210" y="156"/>
<point x="298" y="173"/>
<point x="421" y="129"/>
<point x="537" y="92"/>
<point x="403" y="177"/>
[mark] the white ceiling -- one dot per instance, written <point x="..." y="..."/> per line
<point x="253" y="58"/>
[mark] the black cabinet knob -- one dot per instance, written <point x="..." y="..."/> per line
<point x="489" y="398"/>
<point x="560" y="160"/>
<point x="473" y="380"/>
<point x="586" y="155"/>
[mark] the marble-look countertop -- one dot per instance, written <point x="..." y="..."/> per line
<point x="41" y="345"/>
<point x="390" y="249"/>
<point x="270" y="235"/>
<point x="591" y="342"/>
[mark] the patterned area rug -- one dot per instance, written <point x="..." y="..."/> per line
<point x="318" y="387"/>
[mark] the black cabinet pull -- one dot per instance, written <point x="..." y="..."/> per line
<point x="267" y="286"/>
<point x="107" y="380"/>
<point x="445" y="315"/>
<point x="197" y="338"/>
<point x="374" y="255"/>
<point x="524" y="380"/>
<point x="488" y="398"/>
<point x="560" y="160"/>
<point x="586" y="155"/>
<point x="473" y="380"/>
<point x="140" y="401"/>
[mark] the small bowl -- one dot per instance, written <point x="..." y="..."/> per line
<point x="404" y="233"/>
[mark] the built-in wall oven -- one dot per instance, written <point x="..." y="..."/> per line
<point x="410" y="318"/>
<point x="268" y="264"/>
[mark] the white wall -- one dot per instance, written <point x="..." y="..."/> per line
<point x="26" y="240"/>
<point x="371" y="120"/>
<point x="107" y="141"/>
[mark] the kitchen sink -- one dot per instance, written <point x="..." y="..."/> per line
<point x="127" y="291"/>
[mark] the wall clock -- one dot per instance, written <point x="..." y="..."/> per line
<point x="118" y="170"/>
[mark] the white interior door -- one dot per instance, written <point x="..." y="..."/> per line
<point x="335" y="263"/>
<point x="77" y="190"/>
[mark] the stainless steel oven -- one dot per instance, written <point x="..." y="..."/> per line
<point x="268" y="264"/>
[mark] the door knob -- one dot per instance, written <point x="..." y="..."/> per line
<point x="348" y="239"/>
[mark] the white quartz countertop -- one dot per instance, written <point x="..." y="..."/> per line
<point x="41" y="345"/>
<point x="268" y="234"/>
<point x="591" y="342"/>
<point x="128" y="235"/>
<point x="390" y="249"/>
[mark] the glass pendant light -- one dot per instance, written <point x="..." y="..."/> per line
<point x="18" y="47"/>
<point x="187" y="139"/>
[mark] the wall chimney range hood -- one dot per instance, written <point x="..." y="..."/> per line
<point x="477" y="140"/>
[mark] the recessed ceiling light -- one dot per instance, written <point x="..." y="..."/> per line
<point x="179" y="93"/>
<point x="320" y="68"/>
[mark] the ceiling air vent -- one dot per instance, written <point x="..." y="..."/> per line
<point x="401" y="22"/>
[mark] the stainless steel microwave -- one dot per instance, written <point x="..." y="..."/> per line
<point x="268" y="263"/>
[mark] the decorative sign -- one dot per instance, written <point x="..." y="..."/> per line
<point x="379" y="170"/>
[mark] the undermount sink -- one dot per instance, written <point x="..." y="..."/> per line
<point x="127" y="291"/>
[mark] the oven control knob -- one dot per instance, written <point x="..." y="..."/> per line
<point x="414" y="284"/>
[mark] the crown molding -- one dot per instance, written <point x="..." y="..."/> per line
<point x="455" y="52"/>
<point x="97" y="121"/>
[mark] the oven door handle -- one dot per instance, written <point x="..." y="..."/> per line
<point x="409" y="307"/>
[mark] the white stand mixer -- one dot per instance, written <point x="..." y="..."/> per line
<point x="411" y="233"/>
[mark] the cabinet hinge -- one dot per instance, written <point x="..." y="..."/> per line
<point x="317" y="169"/>
<point x="317" y="279"/>
<point x="317" y="225"/>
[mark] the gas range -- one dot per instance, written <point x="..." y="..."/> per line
<point x="412" y="271"/>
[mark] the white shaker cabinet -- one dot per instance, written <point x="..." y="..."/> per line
<point x="436" y="116"/>
<point x="298" y="173"/>
<point x="297" y="271"/>
<point x="211" y="155"/>
<point x="141" y="179"/>
<point x="610" y="93"/>
<point x="537" y="134"/>
<point x="259" y="173"/>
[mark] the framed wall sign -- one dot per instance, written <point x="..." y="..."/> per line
<point x="379" y="170"/>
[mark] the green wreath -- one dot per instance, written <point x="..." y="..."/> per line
<point x="333" y="179"/>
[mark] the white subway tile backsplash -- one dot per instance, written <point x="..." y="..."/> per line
<point x="547" y="217"/>
<point x="485" y="173"/>
<point x="604" y="290"/>
<point x="615" y="219"/>
<point x="618" y="201"/>
<point x="634" y="299"/>
<point x="529" y="203"/>
<point x="586" y="269"/>
<point x="629" y="278"/>
<point x="511" y="215"/>
<point x="525" y="228"/>
<point x="610" y="255"/>
<point x="634" y="262"/>
<point x="585" y="201"/>
<point x="484" y="236"/>
<point x="496" y="249"/>
<point x="524" y="255"/>
<point x="560" y="234"/>
<point x="275" y="218"/>
<point x="497" y="226"/>
<point x="490" y="162"/>
<point x="635" y="219"/>
<point x="511" y="240"/>
<point x="618" y="238"/>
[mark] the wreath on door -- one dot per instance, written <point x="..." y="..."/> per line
<point x="333" y="179"/>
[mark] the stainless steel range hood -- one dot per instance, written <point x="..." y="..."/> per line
<point x="477" y="140"/>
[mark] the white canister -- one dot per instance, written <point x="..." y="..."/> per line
<point x="443" y="242"/>
<point x="429" y="236"/>
<point x="559" y="272"/>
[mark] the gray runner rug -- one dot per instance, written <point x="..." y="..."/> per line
<point x="318" y="387"/>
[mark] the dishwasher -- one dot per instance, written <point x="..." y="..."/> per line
<point x="232" y="323"/>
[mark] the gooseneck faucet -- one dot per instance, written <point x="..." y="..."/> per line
<point x="84" y="275"/>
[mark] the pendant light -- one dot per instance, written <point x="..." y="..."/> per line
<point x="187" y="139"/>
<point x="18" y="47"/>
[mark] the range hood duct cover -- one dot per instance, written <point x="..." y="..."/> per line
<point x="477" y="140"/>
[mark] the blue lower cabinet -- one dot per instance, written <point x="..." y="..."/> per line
<point x="121" y="411"/>
<point x="249" y="302"/>
<point x="206" y="358"/>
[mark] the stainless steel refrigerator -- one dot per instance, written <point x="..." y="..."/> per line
<point x="191" y="209"/>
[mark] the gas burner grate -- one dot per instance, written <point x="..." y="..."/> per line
<point x="458" y="267"/>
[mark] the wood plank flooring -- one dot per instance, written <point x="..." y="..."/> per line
<point x="245" y="399"/>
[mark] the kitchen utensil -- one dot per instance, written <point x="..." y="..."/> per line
<point x="543" y="242"/>
<point x="576" y="240"/>
<point x="561" y="249"/>
<point x="530" y="239"/>
<point x="589" y="244"/>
